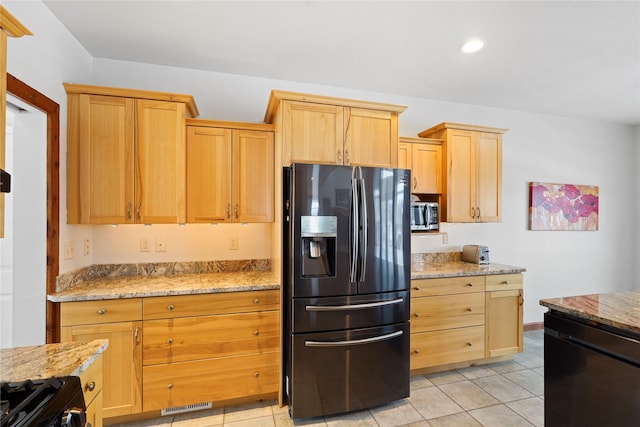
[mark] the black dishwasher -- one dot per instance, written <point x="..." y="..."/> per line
<point x="591" y="374"/>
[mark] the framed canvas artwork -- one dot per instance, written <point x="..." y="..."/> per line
<point x="563" y="207"/>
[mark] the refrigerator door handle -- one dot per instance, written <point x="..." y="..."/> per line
<point x="365" y="227"/>
<point x="353" y="306"/>
<point x="352" y="342"/>
<point x="355" y="225"/>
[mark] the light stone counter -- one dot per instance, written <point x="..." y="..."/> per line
<point x="432" y="270"/>
<point x="49" y="360"/>
<point x="170" y="284"/>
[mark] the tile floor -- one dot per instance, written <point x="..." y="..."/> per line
<point x="505" y="394"/>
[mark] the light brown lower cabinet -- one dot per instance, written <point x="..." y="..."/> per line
<point x="91" y="381"/>
<point x="465" y="319"/>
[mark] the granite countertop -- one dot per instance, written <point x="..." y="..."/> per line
<point x="431" y="270"/>
<point x="619" y="310"/>
<point x="163" y="285"/>
<point x="49" y="360"/>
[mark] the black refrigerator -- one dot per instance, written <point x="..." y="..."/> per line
<point x="346" y="268"/>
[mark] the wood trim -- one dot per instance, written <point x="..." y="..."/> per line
<point x="36" y="99"/>
<point x="279" y="95"/>
<point x="11" y="25"/>
<point x="533" y="326"/>
<point x="188" y="100"/>
<point x="459" y="126"/>
<point x="230" y="125"/>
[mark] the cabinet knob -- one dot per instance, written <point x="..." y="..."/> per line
<point x="91" y="386"/>
<point x="416" y="314"/>
<point x="170" y="341"/>
<point x="170" y="307"/>
<point x="469" y="344"/>
<point x="469" y="285"/>
<point x="256" y="301"/>
<point x="416" y="288"/>
<point x="469" y="309"/>
<point x="102" y="311"/>
<point x="169" y="386"/>
<point x="256" y="333"/>
<point x="505" y="282"/>
<point x="256" y="374"/>
<point x="416" y="351"/>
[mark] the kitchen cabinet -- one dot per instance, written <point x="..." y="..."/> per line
<point x="472" y="188"/>
<point x="9" y="27"/>
<point x="91" y="381"/>
<point x="126" y="155"/>
<point x="214" y="347"/>
<point x="504" y="301"/>
<point x="119" y="321"/>
<point x="327" y="130"/>
<point x="424" y="157"/>
<point x="460" y="320"/>
<point x="230" y="172"/>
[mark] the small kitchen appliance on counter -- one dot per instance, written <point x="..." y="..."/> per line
<point x="476" y="254"/>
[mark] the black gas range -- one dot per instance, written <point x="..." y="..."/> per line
<point x="52" y="402"/>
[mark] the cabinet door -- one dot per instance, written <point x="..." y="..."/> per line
<point x="371" y="138"/>
<point x="208" y="174"/>
<point x="426" y="169"/>
<point x="461" y="176"/>
<point x="101" y="183"/>
<point x="489" y="176"/>
<point x="504" y="322"/>
<point x="161" y="164"/>
<point x="312" y="133"/>
<point x="252" y="176"/>
<point x="404" y="155"/>
<point x="122" y="387"/>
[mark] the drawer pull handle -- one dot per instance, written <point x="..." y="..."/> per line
<point x="256" y="333"/>
<point x="102" y="311"/>
<point x="169" y="386"/>
<point x="171" y="307"/>
<point x="170" y="341"/>
<point x="256" y="301"/>
<point x="469" y="344"/>
<point x="91" y="386"/>
<point x="469" y="309"/>
<point x="417" y="314"/>
<point x="470" y="285"/>
<point x="256" y="374"/>
<point x="416" y="288"/>
<point x="416" y="351"/>
<point x="505" y="282"/>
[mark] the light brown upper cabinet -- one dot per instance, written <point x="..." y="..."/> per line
<point x="126" y="155"/>
<point x="424" y="157"/>
<point x="472" y="188"/>
<point x="9" y="27"/>
<point x="230" y="172"/>
<point x="320" y="129"/>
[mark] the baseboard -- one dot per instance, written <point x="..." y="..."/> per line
<point x="533" y="326"/>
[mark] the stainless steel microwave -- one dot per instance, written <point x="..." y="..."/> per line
<point x="424" y="216"/>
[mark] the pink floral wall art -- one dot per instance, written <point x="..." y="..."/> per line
<point x="563" y="207"/>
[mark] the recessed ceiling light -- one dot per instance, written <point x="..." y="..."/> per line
<point x="471" y="46"/>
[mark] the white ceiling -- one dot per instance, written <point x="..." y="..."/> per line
<point x="569" y="58"/>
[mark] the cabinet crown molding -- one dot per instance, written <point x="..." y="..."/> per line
<point x="188" y="100"/>
<point x="280" y="95"/>
<point x="230" y="125"/>
<point x="11" y="25"/>
<point x="460" y="126"/>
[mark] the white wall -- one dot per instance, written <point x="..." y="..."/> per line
<point x="536" y="148"/>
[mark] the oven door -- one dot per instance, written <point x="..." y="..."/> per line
<point x="342" y="371"/>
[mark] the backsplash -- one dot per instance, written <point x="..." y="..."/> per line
<point x="98" y="271"/>
<point x="419" y="259"/>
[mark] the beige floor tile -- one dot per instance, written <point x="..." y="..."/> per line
<point x="501" y="388"/>
<point x="353" y="419"/>
<point x="151" y="422"/>
<point x="419" y="381"/>
<point x="431" y="402"/>
<point x="468" y="395"/>
<point x="206" y="418"/>
<point x="528" y="380"/>
<point x="396" y="413"/>
<point x="473" y="372"/>
<point x="529" y="360"/>
<point x="506" y="366"/>
<point x="445" y="377"/>
<point x="499" y="416"/>
<point x="266" y="421"/>
<point x="532" y="409"/>
<point x="248" y="411"/>
<point x="462" y="419"/>
<point x="423" y="423"/>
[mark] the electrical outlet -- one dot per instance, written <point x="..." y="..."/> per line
<point x="87" y="247"/>
<point x="68" y="250"/>
<point x="144" y="245"/>
<point x="233" y="244"/>
<point x="445" y="238"/>
<point x="161" y="244"/>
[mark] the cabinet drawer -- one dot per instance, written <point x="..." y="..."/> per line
<point x="177" y="384"/>
<point x="447" y="312"/>
<point x="448" y="346"/>
<point x="504" y="282"/>
<point x="207" y="304"/>
<point x="447" y="285"/>
<point x="190" y="338"/>
<point x="91" y="381"/>
<point x="102" y="311"/>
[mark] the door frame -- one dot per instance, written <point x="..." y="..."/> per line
<point x="39" y="101"/>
